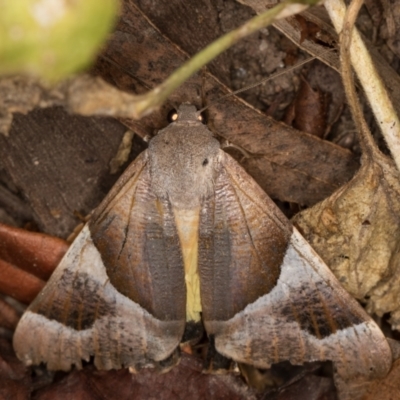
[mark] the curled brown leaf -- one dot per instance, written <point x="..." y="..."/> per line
<point x="33" y="252"/>
<point x="357" y="233"/>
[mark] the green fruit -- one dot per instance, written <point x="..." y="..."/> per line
<point x="52" y="38"/>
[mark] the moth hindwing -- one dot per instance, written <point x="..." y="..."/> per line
<point x="186" y="235"/>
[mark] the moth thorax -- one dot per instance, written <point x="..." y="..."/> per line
<point x="184" y="163"/>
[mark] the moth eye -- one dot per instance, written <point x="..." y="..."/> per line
<point x="172" y="116"/>
<point x="205" y="162"/>
<point x="202" y="118"/>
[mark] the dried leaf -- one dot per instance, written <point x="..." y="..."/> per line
<point x="33" y="252"/>
<point x="15" y="381"/>
<point x="387" y="388"/>
<point x="308" y="29"/>
<point x="288" y="382"/>
<point x="59" y="162"/>
<point x="9" y="316"/>
<point x="27" y="259"/>
<point x="311" y="387"/>
<point x="357" y="233"/>
<point x="19" y="284"/>
<point x="392" y="14"/>
<point x="308" y="110"/>
<point x="375" y="10"/>
<point x="185" y="381"/>
<point x="329" y="82"/>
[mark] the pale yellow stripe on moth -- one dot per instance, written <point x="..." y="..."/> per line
<point x="187" y="222"/>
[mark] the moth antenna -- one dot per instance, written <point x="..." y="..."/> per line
<point x="268" y="78"/>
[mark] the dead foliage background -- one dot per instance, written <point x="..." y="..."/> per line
<point x="53" y="165"/>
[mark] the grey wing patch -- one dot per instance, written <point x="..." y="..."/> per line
<point x="307" y="317"/>
<point x="242" y="242"/>
<point x="80" y="314"/>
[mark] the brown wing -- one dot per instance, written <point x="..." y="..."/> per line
<point x="301" y="313"/>
<point x="119" y="292"/>
<point x="242" y="243"/>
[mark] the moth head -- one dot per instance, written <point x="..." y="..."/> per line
<point x="184" y="159"/>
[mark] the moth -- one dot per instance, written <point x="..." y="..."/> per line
<point x="186" y="238"/>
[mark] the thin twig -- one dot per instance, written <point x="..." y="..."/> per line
<point x="366" y="141"/>
<point x="263" y="81"/>
<point x="373" y="86"/>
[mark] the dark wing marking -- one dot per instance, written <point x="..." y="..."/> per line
<point x="82" y="312"/>
<point x="307" y="316"/>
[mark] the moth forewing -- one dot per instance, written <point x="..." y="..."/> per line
<point x="300" y="313"/>
<point x="186" y="232"/>
<point x="86" y="308"/>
